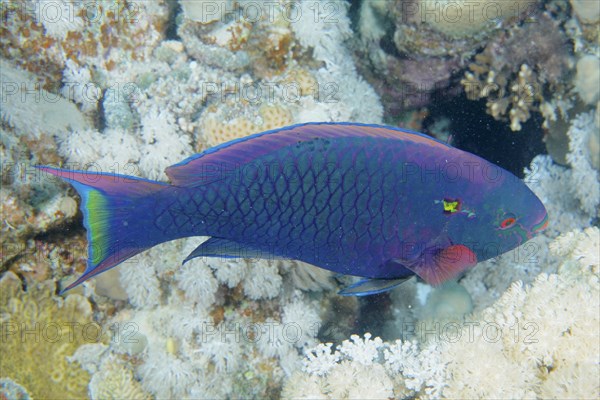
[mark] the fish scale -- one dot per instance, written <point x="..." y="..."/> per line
<point x="366" y="200"/>
<point x="251" y="204"/>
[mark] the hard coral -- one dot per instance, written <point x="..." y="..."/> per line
<point x="410" y="50"/>
<point x="216" y="130"/>
<point x="39" y="332"/>
<point x="116" y="381"/>
<point x="519" y="68"/>
<point x="100" y="35"/>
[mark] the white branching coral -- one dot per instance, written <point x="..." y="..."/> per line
<point x="113" y="150"/>
<point x="140" y="282"/>
<point x="472" y="379"/>
<point x="345" y="95"/>
<point x="352" y="371"/>
<point x="222" y="346"/>
<point x="585" y="180"/>
<point x="303" y="318"/>
<point x="353" y="380"/>
<point x="582" y="246"/>
<point x="59" y="17"/>
<point x="320" y="359"/>
<point x="363" y="351"/>
<point x="78" y="86"/>
<point x="166" y="375"/>
<point x="421" y="368"/>
<point x="324" y="36"/>
<point x="276" y="341"/>
<point x="262" y="280"/>
<point x="160" y="131"/>
<point x="229" y="271"/>
<point x="552" y="184"/>
<point x="196" y="279"/>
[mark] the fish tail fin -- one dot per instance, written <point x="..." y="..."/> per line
<point x="117" y="227"/>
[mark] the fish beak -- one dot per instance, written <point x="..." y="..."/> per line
<point x="540" y="226"/>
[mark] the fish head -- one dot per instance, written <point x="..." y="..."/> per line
<point x="497" y="218"/>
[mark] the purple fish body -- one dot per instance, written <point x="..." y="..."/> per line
<point x="365" y="200"/>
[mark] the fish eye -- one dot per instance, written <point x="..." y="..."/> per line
<point x="451" y="206"/>
<point x="508" y="221"/>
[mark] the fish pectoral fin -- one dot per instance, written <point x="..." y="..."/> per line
<point x="444" y="264"/>
<point x="367" y="287"/>
<point x="219" y="247"/>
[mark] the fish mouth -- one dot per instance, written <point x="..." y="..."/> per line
<point x="540" y="226"/>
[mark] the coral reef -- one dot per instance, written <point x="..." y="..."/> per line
<point x="587" y="11"/>
<point x="217" y="128"/>
<point x="30" y="109"/>
<point x="587" y="82"/>
<point x="116" y="95"/>
<point x="115" y="381"/>
<point x="539" y="336"/>
<point x="192" y="348"/>
<point x="39" y="332"/>
<point x="583" y="132"/>
<point x="519" y="68"/>
<point x="412" y="50"/>
<point x="22" y="251"/>
<point x="42" y="37"/>
<point x="12" y="390"/>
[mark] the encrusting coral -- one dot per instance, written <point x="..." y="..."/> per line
<point x="115" y="381"/>
<point x="39" y="332"/>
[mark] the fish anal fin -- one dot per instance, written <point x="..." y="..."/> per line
<point x="368" y="287"/>
<point x="445" y="264"/>
<point x="225" y="248"/>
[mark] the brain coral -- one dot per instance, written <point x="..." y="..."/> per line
<point x="39" y="332"/>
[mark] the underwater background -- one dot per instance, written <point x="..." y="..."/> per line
<point x="132" y="87"/>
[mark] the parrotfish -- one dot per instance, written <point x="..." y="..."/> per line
<point x="377" y="202"/>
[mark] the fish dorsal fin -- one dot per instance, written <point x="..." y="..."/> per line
<point x="216" y="161"/>
<point x="441" y="265"/>
<point x="368" y="287"/>
<point x="225" y="248"/>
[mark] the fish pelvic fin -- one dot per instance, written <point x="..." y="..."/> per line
<point x="225" y="248"/>
<point x="117" y="227"/>
<point x="367" y="287"/>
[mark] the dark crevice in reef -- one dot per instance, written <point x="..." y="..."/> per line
<point x="57" y="233"/>
<point x="475" y="131"/>
<point x="174" y="11"/>
<point x="375" y="310"/>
